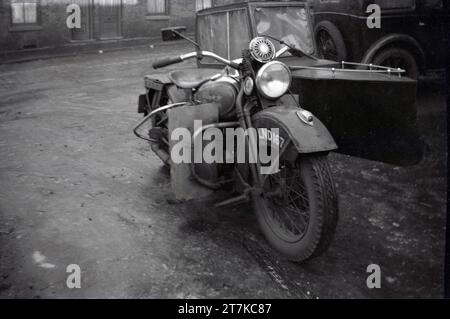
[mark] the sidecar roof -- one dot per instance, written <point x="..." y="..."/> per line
<point x="247" y="3"/>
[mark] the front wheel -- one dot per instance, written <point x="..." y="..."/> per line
<point x="330" y="42"/>
<point x="298" y="208"/>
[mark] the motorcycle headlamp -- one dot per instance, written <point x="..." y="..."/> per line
<point x="273" y="80"/>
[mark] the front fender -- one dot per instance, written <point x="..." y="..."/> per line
<point x="306" y="138"/>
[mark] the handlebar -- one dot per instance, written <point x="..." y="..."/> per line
<point x="166" y="62"/>
<point x="199" y="55"/>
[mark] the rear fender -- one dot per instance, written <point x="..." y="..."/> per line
<point x="159" y="88"/>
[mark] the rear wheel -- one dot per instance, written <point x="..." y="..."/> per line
<point x="398" y="58"/>
<point x="298" y="208"/>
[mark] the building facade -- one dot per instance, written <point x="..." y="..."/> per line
<point x="26" y="24"/>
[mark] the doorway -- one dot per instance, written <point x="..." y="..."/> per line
<point x="109" y="16"/>
<point x="100" y="19"/>
<point x="85" y="32"/>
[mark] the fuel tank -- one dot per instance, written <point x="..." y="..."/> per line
<point x="223" y="92"/>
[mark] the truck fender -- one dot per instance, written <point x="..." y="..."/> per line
<point x="404" y="41"/>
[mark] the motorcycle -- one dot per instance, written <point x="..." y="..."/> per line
<point x="293" y="195"/>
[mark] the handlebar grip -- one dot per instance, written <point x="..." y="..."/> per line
<point x="166" y="62"/>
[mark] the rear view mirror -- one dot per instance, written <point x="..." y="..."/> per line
<point x="175" y="33"/>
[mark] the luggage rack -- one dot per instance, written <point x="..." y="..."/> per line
<point x="358" y="68"/>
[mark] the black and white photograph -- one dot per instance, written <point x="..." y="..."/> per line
<point x="224" y="149"/>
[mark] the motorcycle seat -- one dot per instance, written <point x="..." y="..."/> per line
<point x="192" y="78"/>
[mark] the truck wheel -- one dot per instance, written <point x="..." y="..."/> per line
<point x="398" y="58"/>
<point x="330" y="42"/>
<point x="298" y="208"/>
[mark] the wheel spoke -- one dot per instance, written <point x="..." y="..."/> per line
<point x="302" y="211"/>
<point x="281" y="222"/>
<point x="300" y="195"/>
<point x="288" y="201"/>
<point x="293" y="223"/>
<point x="303" y="219"/>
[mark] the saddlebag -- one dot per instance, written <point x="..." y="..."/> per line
<point x="183" y="184"/>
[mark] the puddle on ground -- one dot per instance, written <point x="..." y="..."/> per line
<point x="199" y="225"/>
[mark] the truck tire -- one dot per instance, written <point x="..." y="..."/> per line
<point x="330" y="42"/>
<point x="398" y="58"/>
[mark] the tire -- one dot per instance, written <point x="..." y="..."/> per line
<point x="398" y="58"/>
<point x="330" y="42"/>
<point x="321" y="215"/>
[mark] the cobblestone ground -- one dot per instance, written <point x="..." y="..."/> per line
<point x="76" y="187"/>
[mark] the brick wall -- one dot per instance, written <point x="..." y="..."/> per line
<point x="223" y="2"/>
<point x="51" y="29"/>
<point x="136" y="22"/>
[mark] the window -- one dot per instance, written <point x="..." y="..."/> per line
<point x="202" y="4"/>
<point x="213" y="35"/>
<point x="289" y="24"/>
<point x="157" y="7"/>
<point x="239" y="33"/>
<point x="396" y="4"/>
<point x="24" y="12"/>
<point x="224" y="33"/>
<point x="433" y="4"/>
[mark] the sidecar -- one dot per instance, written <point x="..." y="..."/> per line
<point x="371" y="112"/>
